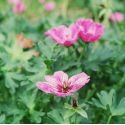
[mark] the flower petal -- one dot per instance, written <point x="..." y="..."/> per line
<point x="56" y="34"/>
<point x="51" y="80"/>
<point x="61" y="76"/>
<point x="78" y="81"/>
<point x="63" y="94"/>
<point x="84" y="24"/>
<point x="89" y="30"/>
<point x="45" y="87"/>
<point x="64" y="35"/>
<point x="74" y="32"/>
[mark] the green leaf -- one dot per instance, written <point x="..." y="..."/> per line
<point x="56" y="116"/>
<point x="18" y="117"/>
<point x="2" y="37"/>
<point x="69" y="113"/>
<point x="36" y="116"/>
<point x="18" y="76"/>
<point x="109" y="99"/>
<point x="67" y="106"/>
<point x="97" y="103"/>
<point x="28" y="98"/>
<point x="120" y="108"/>
<point x="105" y="99"/>
<point x="2" y="119"/>
<point x="82" y="112"/>
<point x="47" y="47"/>
<point x="10" y="83"/>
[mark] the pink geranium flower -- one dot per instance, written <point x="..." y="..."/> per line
<point x="64" y="35"/>
<point x="19" y="8"/>
<point x="60" y="85"/>
<point x="89" y="31"/>
<point x="49" y="6"/>
<point x="116" y="17"/>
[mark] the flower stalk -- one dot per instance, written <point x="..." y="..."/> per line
<point x="109" y="119"/>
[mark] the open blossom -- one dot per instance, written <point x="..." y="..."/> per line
<point x="116" y="17"/>
<point x="19" y="8"/>
<point x="60" y="85"/>
<point x="64" y="35"/>
<point x="49" y="6"/>
<point x="89" y="31"/>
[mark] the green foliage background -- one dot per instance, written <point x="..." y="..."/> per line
<point x="102" y="98"/>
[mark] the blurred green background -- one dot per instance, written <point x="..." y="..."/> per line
<point x="104" y="61"/>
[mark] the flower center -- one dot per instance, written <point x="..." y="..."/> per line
<point x="92" y="29"/>
<point x="64" y="88"/>
<point x="81" y="28"/>
<point x="67" y="33"/>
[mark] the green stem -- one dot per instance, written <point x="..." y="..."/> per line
<point x="109" y="119"/>
<point x="65" y="8"/>
<point x="76" y="119"/>
<point x="120" y="83"/>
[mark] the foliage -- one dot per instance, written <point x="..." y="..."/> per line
<point x="21" y="68"/>
<point x="108" y="101"/>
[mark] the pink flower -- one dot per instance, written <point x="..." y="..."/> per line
<point x="89" y="31"/>
<point x="49" y="6"/>
<point x="116" y="17"/>
<point x="60" y="85"/>
<point x="42" y="1"/>
<point x="19" y="8"/>
<point x="14" y="1"/>
<point x="64" y="35"/>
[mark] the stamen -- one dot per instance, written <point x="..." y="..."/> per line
<point x="64" y="88"/>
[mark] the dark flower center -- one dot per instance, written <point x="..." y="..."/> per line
<point x="65" y="88"/>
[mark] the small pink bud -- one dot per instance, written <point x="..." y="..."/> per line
<point x="49" y="6"/>
<point x="19" y="8"/>
<point x="116" y="17"/>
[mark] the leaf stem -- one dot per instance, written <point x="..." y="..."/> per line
<point x="109" y="119"/>
<point x="76" y="119"/>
